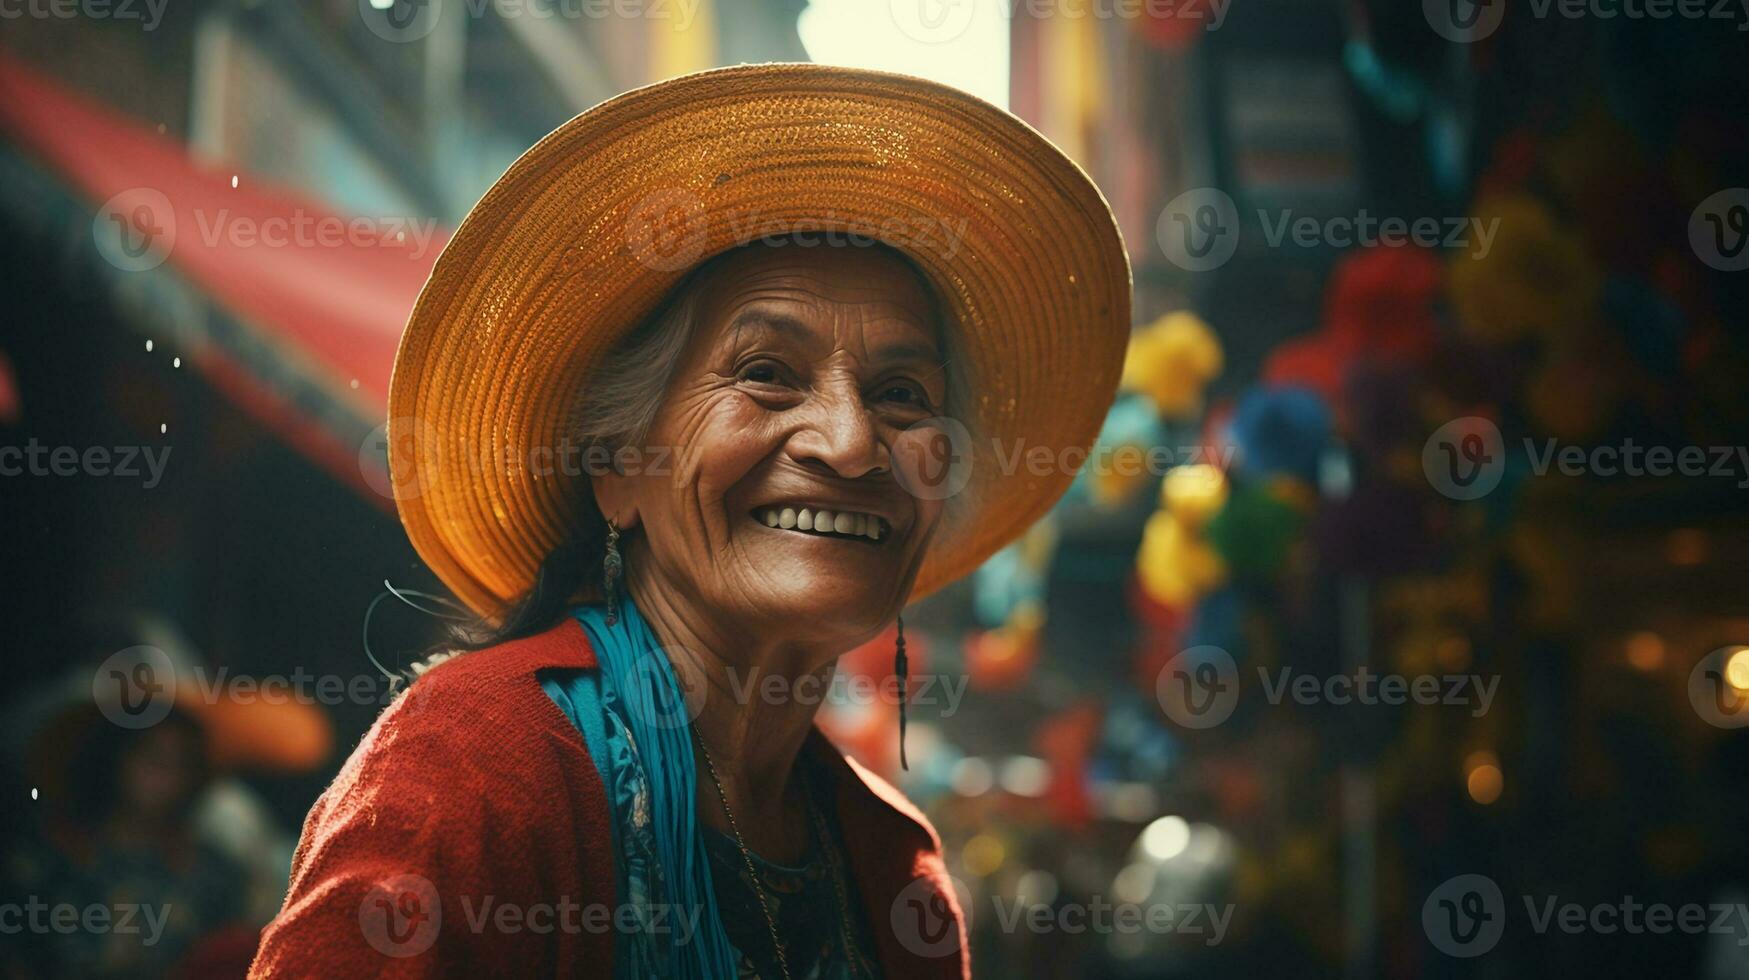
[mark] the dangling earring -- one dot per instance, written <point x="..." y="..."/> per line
<point x="611" y="567"/>
<point x="901" y="667"/>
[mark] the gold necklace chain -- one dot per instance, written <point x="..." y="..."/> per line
<point x="746" y="856"/>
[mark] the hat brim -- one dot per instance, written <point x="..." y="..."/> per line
<point x="583" y="236"/>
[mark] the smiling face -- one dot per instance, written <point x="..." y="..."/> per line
<point x="781" y="507"/>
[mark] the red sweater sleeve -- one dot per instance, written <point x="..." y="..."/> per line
<point x="454" y="842"/>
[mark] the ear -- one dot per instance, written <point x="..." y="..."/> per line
<point x="615" y="495"/>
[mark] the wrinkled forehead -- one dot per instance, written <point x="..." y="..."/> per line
<point x="848" y="294"/>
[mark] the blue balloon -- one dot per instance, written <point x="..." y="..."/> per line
<point x="1281" y="432"/>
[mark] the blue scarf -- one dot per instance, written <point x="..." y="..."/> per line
<point x="634" y="721"/>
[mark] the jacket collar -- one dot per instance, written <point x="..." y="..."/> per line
<point x="892" y="849"/>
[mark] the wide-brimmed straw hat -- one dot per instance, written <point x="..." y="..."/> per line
<point x="583" y="236"/>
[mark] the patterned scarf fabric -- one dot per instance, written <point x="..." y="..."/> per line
<point x="635" y="723"/>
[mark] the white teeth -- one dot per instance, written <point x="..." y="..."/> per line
<point x="808" y="519"/>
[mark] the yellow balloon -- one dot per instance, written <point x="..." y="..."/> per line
<point x="1174" y="565"/>
<point x="1171" y="361"/>
<point x="1194" y="493"/>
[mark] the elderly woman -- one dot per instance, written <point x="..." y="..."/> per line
<point x="715" y="379"/>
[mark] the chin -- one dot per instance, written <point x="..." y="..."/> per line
<point x="836" y="606"/>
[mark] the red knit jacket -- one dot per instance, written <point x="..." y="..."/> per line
<point x="468" y="835"/>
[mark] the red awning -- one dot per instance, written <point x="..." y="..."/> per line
<point x="322" y="294"/>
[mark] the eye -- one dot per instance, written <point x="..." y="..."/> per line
<point x="904" y="392"/>
<point x="761" y="371"/>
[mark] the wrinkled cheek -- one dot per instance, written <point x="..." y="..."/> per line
<point x="707" y="471"/>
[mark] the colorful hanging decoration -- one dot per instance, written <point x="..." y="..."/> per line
<point x="1281" y="432"/>
<point x="1066" y="741"/>
<point x="1536" y="279"/>
<point x="1172" y="361"/>
<point x="1001" y="658"/>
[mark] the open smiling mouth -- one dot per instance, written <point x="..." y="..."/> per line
<point x="824" y="523"/>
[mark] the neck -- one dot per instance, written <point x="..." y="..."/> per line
<point x="755" y="697"/>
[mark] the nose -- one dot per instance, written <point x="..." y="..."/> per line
<point x="838" y="436"/>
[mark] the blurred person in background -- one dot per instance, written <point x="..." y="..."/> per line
<point x="141" y="831"/>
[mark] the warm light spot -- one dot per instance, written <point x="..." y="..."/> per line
<point x="1482" y="777"/>
<point x="1737" y="668"/>
<point x="1645" y="651"/>
<point x="1686" y="546"/>
<point x="1485" y="784"/>
<point x="983" y="854"/>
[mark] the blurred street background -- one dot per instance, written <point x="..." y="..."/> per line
<point x="1396" y="628"/>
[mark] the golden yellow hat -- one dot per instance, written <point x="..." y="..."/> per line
<point x="581" y="238"/>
